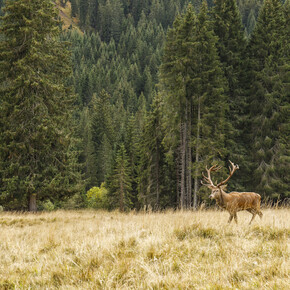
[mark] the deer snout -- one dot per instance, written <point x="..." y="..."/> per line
<point x="211" y="196"/>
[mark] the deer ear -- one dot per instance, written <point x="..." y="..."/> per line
<point x="223" y="186"/>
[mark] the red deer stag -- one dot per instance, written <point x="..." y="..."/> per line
<point x="233" y="201"/>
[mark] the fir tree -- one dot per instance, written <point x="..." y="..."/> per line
<point x="269" y="65"/>
<point x="74" y="8"/>
<point x="195" y="105"/>
<point x="120" y="182"/>
<point x="36" y="162"/>
<point x="103" y="133"/>
<point x="87" y="158"/>
<point x="231" y="48"/>
<point x="151" y="159"/>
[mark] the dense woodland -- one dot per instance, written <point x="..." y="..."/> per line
<point x="128" y="108"/>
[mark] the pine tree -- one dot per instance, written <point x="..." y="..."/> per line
<point x="103" y="133"/>
<point x="175" y="77"/>
<point x="87" y="158"/>
<point x="74" y="8"/>
<point x="269" y="66"/>
<point x="251" y="22"/>
<point x="151" y="159"/>
<point x="120" y="182"/>
<point x="83" y="11"/>
<point x="35" y="157"/>
<point x="195" y="105"/>
<point x="231" y="48"/>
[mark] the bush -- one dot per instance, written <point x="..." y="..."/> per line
<point x="48" y="205"/>
<point x="77" y="201"/>
<point x="1" y="208"/>
<point x="97" y="197"/>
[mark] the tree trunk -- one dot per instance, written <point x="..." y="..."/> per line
<point x="32" y="202"/>
<point x="189" y="160"/>
<point x="121" y="196"/>
<point x="196" y="157"/>
<point x="157" y="176"/>
<point x="182" y="163"/>
<point x="177" y="180"/>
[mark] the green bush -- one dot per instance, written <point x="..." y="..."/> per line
<point x="97" y="197"/>
<point x="48" y="205"/>
<point x="77" y="201"/>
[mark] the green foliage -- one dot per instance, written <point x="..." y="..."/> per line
<point x="97" y="197"/>
<point x="120" y="182"/>
<point x="47" y="205"/>
<point x="216" y="99"/>
<point x="269" y="101"/>
<point x="77" y="201"/>
<point x="37" y="153"/>
<point x="193" y="84"/>
<point x="231" y="49"/>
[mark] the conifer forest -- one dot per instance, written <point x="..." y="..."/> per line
<point x="122" y="104"/>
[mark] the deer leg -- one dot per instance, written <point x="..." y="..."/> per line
<point x="260" y="214"/>
<point x="253" y="212"/>
<point x="230" y="219"/>
<point x="236" y="218"/>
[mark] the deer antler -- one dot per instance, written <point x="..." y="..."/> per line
<point x="208" y="178"/>
<point x="232" y="170"/>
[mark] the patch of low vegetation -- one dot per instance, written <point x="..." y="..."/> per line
<point x="180" y="250"/>
<point x="196" y="230"/>
<point x="270" y="232"/>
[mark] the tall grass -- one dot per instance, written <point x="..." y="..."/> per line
<point x="170" y="250"/>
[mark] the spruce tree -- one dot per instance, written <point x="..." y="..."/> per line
<point x="195" y="106"/>
<point x="231" y="48"/>
<point x="103" y="133"/>
<point x="87" y="158"/>
<point x="120" y="182"/>
<point x="35" y="158"/>
<point x="175" y="81"/>
<point x="74" y="8"/>
<point x="151" y="159"/>
<point x="268" y="101"/>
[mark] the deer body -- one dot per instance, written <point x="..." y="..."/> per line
<point x="233" y="201"/>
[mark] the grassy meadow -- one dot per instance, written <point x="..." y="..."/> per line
<point x="170" y="250"/>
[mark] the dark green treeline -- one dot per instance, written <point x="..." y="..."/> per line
<point x="164" y="88"/>
<point x="38" y="157"/>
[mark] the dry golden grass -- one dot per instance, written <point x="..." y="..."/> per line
<point x="171" y="250"/>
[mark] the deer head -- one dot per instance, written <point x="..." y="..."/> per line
<point x="216" y="189"/>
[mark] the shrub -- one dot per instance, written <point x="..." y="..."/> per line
<point x="48" y="205"/>
<point x="76" y="201"/>
<point x="97" y="197"/>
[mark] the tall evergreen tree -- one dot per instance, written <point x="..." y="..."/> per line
<point x="103" y="133"/>
<point x="194" y="83"/>
<point x="35" y="106"/>
<point x="268" y="98"/>
<point x="120" y="182"/>
<point x="175" y="78"/>
<point x="83" y="12"/>
<point x="231" y="48"/>
<point x="151" y="187"/>
<point x="87" y="158"/>
<point x="74" y="8"/>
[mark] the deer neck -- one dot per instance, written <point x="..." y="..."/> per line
<point x="222" y="199"/>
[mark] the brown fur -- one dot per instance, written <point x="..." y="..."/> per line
<point x="237" y="201"/>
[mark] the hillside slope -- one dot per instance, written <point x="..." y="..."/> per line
<point x="65" y="15"/>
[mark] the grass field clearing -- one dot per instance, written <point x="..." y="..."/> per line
<point x="169" y="250"/>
